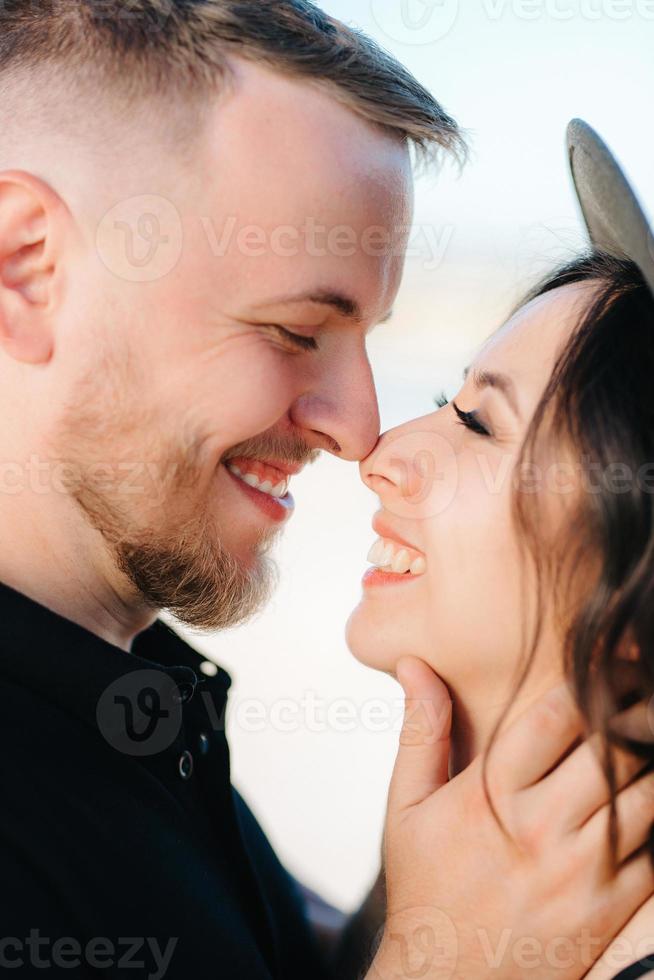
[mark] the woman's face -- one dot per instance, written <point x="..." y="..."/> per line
<point x="445" y="484"/>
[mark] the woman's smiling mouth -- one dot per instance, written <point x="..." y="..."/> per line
<point x="393" y="559"/>
<point x="390" y="556"/>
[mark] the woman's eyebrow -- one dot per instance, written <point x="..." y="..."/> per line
<point x="494" y="379"/>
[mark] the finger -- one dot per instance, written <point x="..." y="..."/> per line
<point x="635" y="814"/>
<point x="636" y="723"/>
<point x="536" y="741"/>
<point x="632" y="885"/>
<point x="421" y="766"/>
<point x="617" y="903"/>
<point x="577" y="787"/>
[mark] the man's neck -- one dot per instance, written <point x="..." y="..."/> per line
<point x="52" y="555"/>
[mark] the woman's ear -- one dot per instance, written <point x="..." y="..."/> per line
<point x="631" y="652"/>
<point x="28" y="262"/>
<point x="628" y="648"/>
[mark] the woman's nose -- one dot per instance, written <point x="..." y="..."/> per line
<point x="391" y="466"/>
<point x="413" y="471"/>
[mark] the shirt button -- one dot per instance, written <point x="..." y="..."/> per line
<point x="203" y="742"/>
<point x="185" y="764"/>
<point x="184" y="692"/>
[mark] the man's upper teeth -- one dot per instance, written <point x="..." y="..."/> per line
<point x="395" y="558"/>
<point x="265" y="486"/>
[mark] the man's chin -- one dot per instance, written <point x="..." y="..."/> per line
<point x="184" y="566"/>
<point x="204" y="587"/>
<point x="226" y="612"/>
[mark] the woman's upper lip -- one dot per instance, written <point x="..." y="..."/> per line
<point x="381" y="525"/>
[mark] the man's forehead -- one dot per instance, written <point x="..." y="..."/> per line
<point x="300" y="133"/>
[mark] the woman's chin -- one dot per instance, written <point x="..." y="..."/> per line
<point x="371" y="643"/>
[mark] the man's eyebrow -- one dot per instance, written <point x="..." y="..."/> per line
<point x="344" y="305"/>
<point x="494" y="379"/>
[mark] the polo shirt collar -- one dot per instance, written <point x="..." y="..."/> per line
<point x="78" y="670"/>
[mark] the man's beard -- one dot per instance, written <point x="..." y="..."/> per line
<point x="204" y="587"/>
<point x="195" y="578"/>
<point x="181" y="565"/>
<point x="173" y="561"/>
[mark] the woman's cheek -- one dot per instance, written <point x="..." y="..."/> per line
<point x="472" y="552"/>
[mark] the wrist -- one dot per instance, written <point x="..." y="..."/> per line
<point x="417" y="942"/>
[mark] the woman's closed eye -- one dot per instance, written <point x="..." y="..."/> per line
<point x="470" y="420"/>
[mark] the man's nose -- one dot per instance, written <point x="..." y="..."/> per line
<point x="341" y="411"/>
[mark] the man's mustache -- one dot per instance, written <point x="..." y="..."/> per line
<point x="285" y="449"/>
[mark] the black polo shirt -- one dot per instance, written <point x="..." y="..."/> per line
<point x="123" y="845"/>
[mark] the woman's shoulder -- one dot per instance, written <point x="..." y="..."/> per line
<point x="631" y="954"/>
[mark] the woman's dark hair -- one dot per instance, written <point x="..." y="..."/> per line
<point x="598" y="410"/>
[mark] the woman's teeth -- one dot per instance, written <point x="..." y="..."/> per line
<point x="392" y="557"/>
<point x="265" y="486"/>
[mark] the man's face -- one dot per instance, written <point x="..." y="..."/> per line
<point x="295" y="217"/>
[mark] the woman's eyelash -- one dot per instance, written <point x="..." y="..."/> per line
<point x="471" y="421"/>
<point x="297" y="339"/>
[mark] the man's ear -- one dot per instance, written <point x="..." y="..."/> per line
<point x="28" y="263"/>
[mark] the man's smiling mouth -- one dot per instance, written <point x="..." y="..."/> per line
<point x="262" y="476"/>
<point x="266" y="483"/>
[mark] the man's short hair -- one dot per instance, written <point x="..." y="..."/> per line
<point x="178" y="51"/>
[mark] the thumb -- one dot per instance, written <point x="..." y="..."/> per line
<point x="421" y="766"/>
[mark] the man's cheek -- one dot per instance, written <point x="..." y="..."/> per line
<point x="252" y="396"/>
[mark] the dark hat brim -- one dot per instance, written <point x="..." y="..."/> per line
<point x="613" y="215"/>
